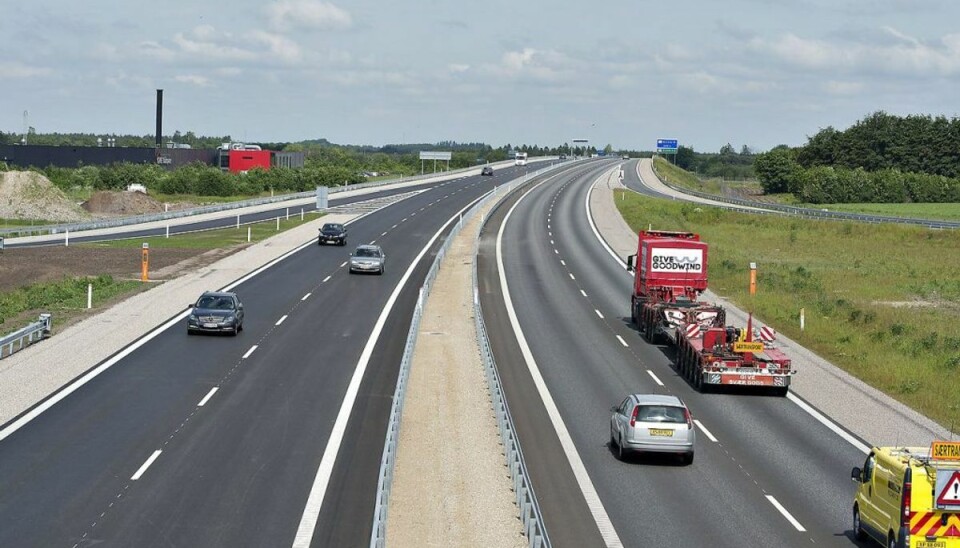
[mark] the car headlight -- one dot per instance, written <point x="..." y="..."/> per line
<point x="192" y="317"/>
<point x="230" y="319"/>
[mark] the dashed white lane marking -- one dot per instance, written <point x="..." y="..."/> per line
<point x="307" y="296"/>
<point x="384" y="234"/>
<point x="607" y="530"/>
<point x="584" y="293"/>
<point x="343" y="264"/>
<point x="145" y="465"/>
<point x="704" y="430"/>
<point x="655" y="379"/>
<point x="251" y="351"/>
<point x="281" y="320"/>
<point x="555" y="251"/>
<point x="571" y="277"/>
<point x="598" y="313"/>
<point x="208" y="396"/>
<point x="392" y="227"/>
<point x="623" y="342"/>
<point x="552" y="242"/>
<point x="327" y="279"/>
<point x="793" y="521"/>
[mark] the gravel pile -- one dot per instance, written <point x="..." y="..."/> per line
<point x="29" y="195"/>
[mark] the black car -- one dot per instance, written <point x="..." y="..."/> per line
<point x="487" y="170"/>
<point x="216" y="312"/>
<point x="332" y="233"/>
<point x="563" y="156"/>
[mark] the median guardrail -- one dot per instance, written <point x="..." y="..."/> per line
<point x="794" y="211"/>
<point x="20" y="339"/>
<point x="526" y="500"/>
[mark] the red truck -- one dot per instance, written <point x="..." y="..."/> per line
<point x="670" y="274"/>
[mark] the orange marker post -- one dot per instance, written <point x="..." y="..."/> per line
<point x="753" y="278"/>
<point x="145" y="262"/>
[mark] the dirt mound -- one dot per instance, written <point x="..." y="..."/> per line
<point x="107" y="203"/>
<point x="29" y="195"/>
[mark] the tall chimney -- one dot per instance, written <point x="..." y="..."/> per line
<point x="159" y="119"/>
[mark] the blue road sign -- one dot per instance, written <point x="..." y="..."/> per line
<point x="666" y="143"/>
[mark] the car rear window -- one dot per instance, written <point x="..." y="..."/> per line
<point x="660" y="413"/>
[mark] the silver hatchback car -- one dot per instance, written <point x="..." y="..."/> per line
<point x="652" y="423"/>
<point x="368" y="258"/>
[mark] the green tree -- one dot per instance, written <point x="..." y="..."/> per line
<point x="777" y="170"/>
<point x="685" y="157"/>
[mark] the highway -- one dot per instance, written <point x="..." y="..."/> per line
<point x="221" y="441"/>
<point x="766" y="473"/>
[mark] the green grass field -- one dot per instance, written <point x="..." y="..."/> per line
<point x="880" y="301"/>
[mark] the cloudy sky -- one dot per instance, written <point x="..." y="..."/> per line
<point x="706" y="72"/>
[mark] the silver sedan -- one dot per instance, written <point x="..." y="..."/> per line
<point x="368" y="258"/>
<point x="652" y="423"/>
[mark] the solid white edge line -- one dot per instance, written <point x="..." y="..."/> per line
<point x="704" y="430"/>
<point x="623" y="342"/>
<point x="828" y="423"/>
<point x="598" y="313"/>
<point x="655" y="379"/>
<point x="790" y="396"/>
<point x="600" y="516"/>
<point x="318" y="489"/>
<point x="793" y="521"/>
<point x="307" y="296"/>
<point x="281" y="320"/>
<point x="208" y="396"/>
<point x="247" y="355"/>
<point x="145" y="465"/>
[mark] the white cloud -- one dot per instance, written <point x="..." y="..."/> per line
<point x="308" y="14"/>
<point x="193" y="79"/>
<point x="904" y="55"/>
<point x="280" y="47"/>
<point x="19" y="70"/>
<point x="205" y="42"/>
<point x="458" y="68"/>
<point x="531" y="64"/>
<point x="843" y="88"/>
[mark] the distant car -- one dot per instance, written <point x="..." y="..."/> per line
<point x="368" y="258"/>
<point x="563" y="156"/>
<point x="487" y="170"/>
<point x="626" y="157"/>
<point x="652" y="423"/>
<point x="333" y="233"/>
<point x="216" y="312"/>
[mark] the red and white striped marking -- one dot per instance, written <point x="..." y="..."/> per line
<point x="693" y="330"/>
<point x="767" y="334"/>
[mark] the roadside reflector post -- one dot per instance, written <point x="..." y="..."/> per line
<point x="301" y="213"/>
<point x="278" y="224"/>
<point x="89" y="295"/>
<point x="288" y="213"/>
<point x="168" y="231"/>
<point x="166" y="207"/>
<point x="145" y="262"/>
<point x="66" y="238"/>
<point x="753" y="278"/>
<point x="238" y="220"/>
<point x="801" y="319"/>
<point x="248" y="233"/>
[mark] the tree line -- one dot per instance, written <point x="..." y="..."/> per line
<point x="882" y="159"/>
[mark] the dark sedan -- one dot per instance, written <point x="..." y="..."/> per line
<point x="216" y="312"/>
<point x="332" y="233"/>
<point x="487" y="171"/>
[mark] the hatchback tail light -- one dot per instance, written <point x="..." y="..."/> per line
<point x="687" y="417"/>
<point x="633" y="416"/>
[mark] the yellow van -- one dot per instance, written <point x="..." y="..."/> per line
<point x="909" y="497"/>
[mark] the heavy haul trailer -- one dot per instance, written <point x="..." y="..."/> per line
<point x="727" y="356"/>
<point x="670" y="274"/>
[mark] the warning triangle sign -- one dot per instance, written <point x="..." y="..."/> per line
<point x="950" y="495"/>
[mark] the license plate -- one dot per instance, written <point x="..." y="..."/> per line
<point x="210" y="325"/>
<point x="932" y="544"/>
<point x="663" y="432"/>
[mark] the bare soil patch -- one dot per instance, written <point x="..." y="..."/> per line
<point x="105" y="203"/>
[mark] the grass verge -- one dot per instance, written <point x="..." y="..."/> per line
<point x="880" y="301"/>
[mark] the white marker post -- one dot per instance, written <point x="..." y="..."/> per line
<point x="278" y="224"/>
<point x="89" y="296"/>
<point x="248" y="234"/>
<point x="168" y="231"/>
<point x="301" y="214"/>
<point x="238" y="220"/>
<point x="288" y="213"/>
<point x="801" y="319"/>
<point x="66" y="238"/>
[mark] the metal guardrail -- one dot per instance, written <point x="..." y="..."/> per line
<point x="20" y="339"/>
<point x="526" y="501"/>
<point x="793" y="211"/>
<point x="213" y="208"/>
